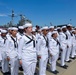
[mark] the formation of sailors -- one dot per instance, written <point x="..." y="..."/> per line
<point x="24" y="46"/>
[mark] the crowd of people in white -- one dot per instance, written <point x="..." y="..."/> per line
<point x="25" y="45"/>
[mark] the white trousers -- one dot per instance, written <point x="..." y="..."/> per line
<point x="43" y="64"/>
<point x="14" y="66"/>
<point x="5" y="63"/>
<point x="73" y="51"/>
<point x="63" y="56"/>
<point x="68" y="54"/>
<point x="53" y="62"/>
<point x="28" y="67"/>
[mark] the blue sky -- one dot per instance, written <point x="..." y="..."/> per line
<point x="40" y="12"/>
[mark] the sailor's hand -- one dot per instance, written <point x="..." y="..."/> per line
<point x="20" y="61"/>
<point x="51" y="55"/>
<point x="39" y="57"/>
<point x="8" y="58"/>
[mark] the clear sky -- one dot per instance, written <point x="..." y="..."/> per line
<point x="40" y="12"/>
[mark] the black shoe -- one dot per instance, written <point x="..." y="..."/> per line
<point x="57" y="71"/>
<point x="8" y="73"/>
<point x="64" y="67"/>
<point x="73" y="58"/>
<point x="69" y="61"/>
<point x="35" y="73"/>
<point x="0" y="67"/>
<point x="54" y="72"/>
<point x="5" y="73"/>
<point x="59" y="58"/>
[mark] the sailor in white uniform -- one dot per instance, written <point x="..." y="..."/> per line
<point x="12" y="51"/>
<point x="69" y="41"/>
<point x="3" y="44"/>
<point x="54" y="51"/>
<point x="43" y="51"/>
<point x="20" y="32"/>
<point x="51" y="29"/>
<point x="63" y="44"/>
<point x="74" y="45"/>
<point x="27" y="51"/>
<point x="9" y="32"/>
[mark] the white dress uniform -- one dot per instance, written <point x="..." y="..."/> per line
<point x="69" y="41"/>
<point x="43" y="52"/>
<point x="49" y="37"/>
<point x="5" y="63"/>
<point x="73" y="46"/>
<point x="54" y="50"/>
<point x="28" y="54"/>
<point x="12" y="53"/>
<point x="63" y="45"/>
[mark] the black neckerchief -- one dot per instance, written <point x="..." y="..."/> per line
<point x="15" y="42"/>
<point x="71" y="33"/>
<point x="46" y="41"/>
<point x="58" y="43"/>
<point x="66" y="35"/>
<point x="4" y="39"/>
<point x="31" y="40"/>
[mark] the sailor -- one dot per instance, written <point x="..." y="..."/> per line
<point x="27" y="51"/>
<point x="12" y="51"/>
<point x="51" y="29"/>
<point x="19" y="36"/>
<point x="54" y="51"/>
<point x="3" y="44"/>
<point x="20" y="31"/>
<point x="63" y="45"/>
<point x="74" y="45"/>
<point x="69" y="34"/>
<point x="9" y="32"/>
<point x="43" y="51"/>
<point x="75" y="40"/>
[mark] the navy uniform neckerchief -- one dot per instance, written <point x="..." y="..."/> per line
<point x="58" y="43"/>
<point x="4" y="39"/>
<point x="66" y="36"/>
<point x="31" y="40"/>
<point x="46" y="41"/>
<point x="15" y="42"/>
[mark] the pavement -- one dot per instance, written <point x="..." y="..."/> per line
<point x="71" y="70"/>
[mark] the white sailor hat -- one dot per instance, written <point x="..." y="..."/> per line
<point x="14" y="28"/>
<point x="34" y="29"/>
<point x="54" y="32"/>
<point x="21" y="27"/>
<point x="69" y="25"/>
<point x="27" y="25"/>
<point x="51" y="27"/>
<point x="55" y="29"/>
<point x="73" y="30"/>
<point x="58" y="28"/>
<point x="63" y="27"/>
<point x="46" y="27"/>
<point x="10" y="28"/>
<point x="3" y="31"/>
